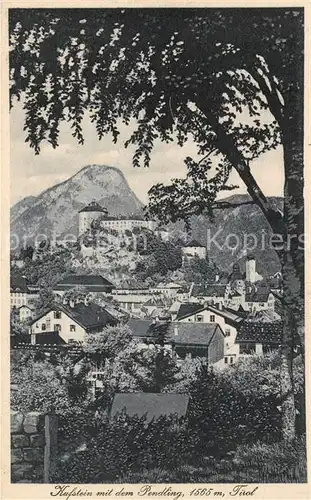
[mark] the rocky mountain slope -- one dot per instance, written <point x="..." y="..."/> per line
<point x="235" y="228"/>
<point x="21" y="206"/>
<point x="56" y="209"/>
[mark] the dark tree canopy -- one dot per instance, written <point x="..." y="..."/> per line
<point x="178" y="73"/>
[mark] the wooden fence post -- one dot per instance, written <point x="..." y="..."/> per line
<point x="50" y="449"/>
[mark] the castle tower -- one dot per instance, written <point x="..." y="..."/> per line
<point x="88" y="214"/>
<point x="250" y="268"/>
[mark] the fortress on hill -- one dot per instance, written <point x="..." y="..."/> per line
<point x="94" y="211"/>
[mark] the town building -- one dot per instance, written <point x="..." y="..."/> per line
<point x="258" y="337"/>
<point x="193" y="249"/>
<point x="91" y="283"/>
<point x="23" y="313"/>
<point x="22" y="293"/>
<point x="132" y="302"/>
<point x="94" y="212"/>
<point x="209" y="292"/>
<point x="185" y="339"/>
<point x="259" y="300"/>
<point x="169" y="290"/>
<point x="228" y="320"/>
<point x="204" y="340"/>
<point x="71" y="322"/>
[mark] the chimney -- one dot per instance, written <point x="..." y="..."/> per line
<point x="65" y="300"/>
<point x="175" y="330"/>
<point x="216" y="278"/>
<point x="71" y="303"/>
<point x="220" y="306"/>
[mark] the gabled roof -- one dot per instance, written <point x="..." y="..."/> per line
<point x="92" y="207"/>
<point x="230" y="316"/>
<point x="209" y="290"/>
<point x="95" y="281"/>
<point x="259" y="332"/>
<point x="192" y="333"/>
<point x="88" y="316"/>
<point x="188" y="309"/>
<point x="150" y="404"/>
<point x="155" y="301"/>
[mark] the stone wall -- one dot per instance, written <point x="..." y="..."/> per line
<point x="27" y="447"/>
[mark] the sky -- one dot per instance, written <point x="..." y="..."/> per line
<point x="31" y="174"/>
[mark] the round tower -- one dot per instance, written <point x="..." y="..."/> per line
<point x="88" y="214"/>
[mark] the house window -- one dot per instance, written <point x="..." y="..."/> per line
<point x="231" y="361"/>
<point x="72" y="328"/>
<point x="212" y="318"/>
<point x="57" y="314"/>
<point x="43" y="327"/>
<point x="199" y="318"/>
<point x="262" y="304"/>
<point x="226" y="360"/>
<point x="227" y="332"/>
<point x="57" y="327"/>
<point x="71" y="341"/>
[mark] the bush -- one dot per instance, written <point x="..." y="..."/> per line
<point x="260" y="463"/>
<point x="125" y="445"/>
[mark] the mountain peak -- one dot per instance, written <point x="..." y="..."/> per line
<point x="56" y="209"/>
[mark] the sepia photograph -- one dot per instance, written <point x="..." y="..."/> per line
<point x="157" y="248"/>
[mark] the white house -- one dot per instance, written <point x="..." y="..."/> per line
<point x="259" y="300"/>
<point x="25" y="313"/>
<point x="70" y="323"/>
<point x="21" y="292"/>
<point x="194" y="249"/>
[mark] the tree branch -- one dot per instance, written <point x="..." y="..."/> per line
<point x="227" y="146"/>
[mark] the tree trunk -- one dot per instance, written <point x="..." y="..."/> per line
<point x="290" y="226"/>
<point x="293" y="255"/>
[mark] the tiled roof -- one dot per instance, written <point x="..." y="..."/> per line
<point x="150" y="404"/>
<point x="91" y="281"/>
<point x="259" y="332"/>
<point x="209" y="290"/>
<point x="92" y="207"/>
